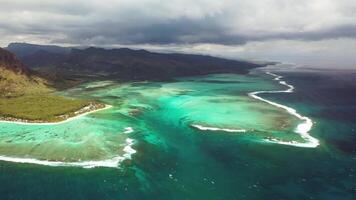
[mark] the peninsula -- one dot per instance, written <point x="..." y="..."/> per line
<point x="27" y="97"/>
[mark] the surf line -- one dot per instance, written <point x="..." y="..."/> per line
<point x="207" y="128"/>
<point x="302" y="129"/>
<point x="113" y="162"/>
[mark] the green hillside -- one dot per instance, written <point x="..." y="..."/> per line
<point x="25" y="96"/>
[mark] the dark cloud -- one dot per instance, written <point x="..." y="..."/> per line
<point x="177" y="31"/>
<point x="226" y="22"/>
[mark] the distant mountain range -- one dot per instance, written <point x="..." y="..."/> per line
<point x="24" y="49"/>
<point x="124" y="63"/>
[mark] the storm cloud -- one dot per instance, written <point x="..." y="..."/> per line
<point x="176" y="22"/>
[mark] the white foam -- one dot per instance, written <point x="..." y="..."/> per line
<point x="112" y="162"/>
<point x="128" y="130"/>
<point x="99" y="84"/>
<point x="302" y="129"/>
<point x="128" y="148"/>
<point x="207" y="128"/>
<point x="56" y="123"/>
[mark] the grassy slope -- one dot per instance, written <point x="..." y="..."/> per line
<point x="44" y="107"/>
<point x="27" y="96"/>
<point x="13" y="84"/>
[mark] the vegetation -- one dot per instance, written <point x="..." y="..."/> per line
<point x="40" y="107"/>
<point x="14" y="84"/>
<point x="26" y="97"/>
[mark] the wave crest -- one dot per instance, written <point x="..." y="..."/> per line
<point x="302" y="129"/>
<point x="207" y="128"/>
<point x="112" y="162"/>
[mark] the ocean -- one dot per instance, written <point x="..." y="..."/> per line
<point x="221" y="136"/>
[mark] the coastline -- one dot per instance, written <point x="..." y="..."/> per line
<point x="77" y="114"/>
<point x="302" y="129"/>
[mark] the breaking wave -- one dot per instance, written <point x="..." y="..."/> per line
<point x="207" y="128"/>
<point x="112" y="162"/>
<point x="302" y="129"/>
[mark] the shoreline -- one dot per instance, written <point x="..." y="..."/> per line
<point x="28" y="122"/>
<point x="302" y="129"/>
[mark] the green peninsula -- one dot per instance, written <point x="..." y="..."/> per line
<point x="27" y="97"/>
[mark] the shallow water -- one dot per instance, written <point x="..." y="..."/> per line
<point x="209" y="103"/>
<point x="172" y="157"/>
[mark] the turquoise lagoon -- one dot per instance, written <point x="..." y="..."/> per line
<point x="200" y="137"/>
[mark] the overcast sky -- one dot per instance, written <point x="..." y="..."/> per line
<point x="313" y="32"/>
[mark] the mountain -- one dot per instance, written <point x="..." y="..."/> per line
<point x="141" y="64"/>
<point x="9" y="61"/>
<point x="25" y="49"/>
<point x="43" y="58"/>
<point x="15" y="79"/>
<point x="128" y="64"/>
